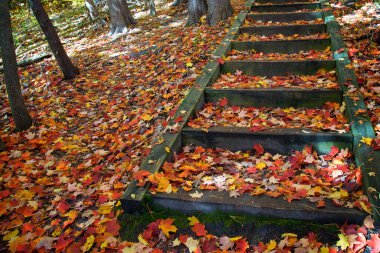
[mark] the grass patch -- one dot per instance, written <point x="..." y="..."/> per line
<point x="254" y="228"/>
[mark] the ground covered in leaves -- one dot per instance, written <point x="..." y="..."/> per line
<point x="61" y="179"/>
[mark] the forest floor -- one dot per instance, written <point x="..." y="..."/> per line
<point x="62" y="178"/>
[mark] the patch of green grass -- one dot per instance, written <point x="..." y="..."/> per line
<point x="219" y="223"/>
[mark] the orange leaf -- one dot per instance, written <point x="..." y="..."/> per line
<point x="167" y="227"/>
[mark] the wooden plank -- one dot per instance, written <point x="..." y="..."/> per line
<point x="30" y="61"/>
<point x="280" y="140"/>
<point x="290" y="29"/>
<point x="337" y="43"/>
<point x="285" y="7"/>
<point x="277" y="68"/>
<point x="282" y="1"/>
<point x="212" y="201"/>
<point x="365" y="157"/>
<point x="286" y="17"/>
<point x="282" y="46"/>
<point x="275" y="97"/>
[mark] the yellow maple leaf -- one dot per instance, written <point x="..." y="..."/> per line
<point x="88" y="244"/>
<point x="271" y="245"/>
<point x="142" y="240"/>
<point x="105" y="209"/>
<point x="167" y="227"/>
<point x="366" y="140"/>
<point x="189" y="64"/>
<point x="147" y="117"/>
<point x="365" y="207"/>
<point x="324" y="250"/>
<point x="233" y="239"/>
<point x="24" y="195"/>
<point x="338" y="194"/>
<point x="193" y="220"/>
<point x="191" y="244"/>
<point x="288" y="235"/>
<point x="261" y="165"/>
<point x="343" y="242"/>
<point x="11" y="235"/>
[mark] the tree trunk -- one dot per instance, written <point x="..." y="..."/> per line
<point x="197" y="8"/>
<point x="152" y="7"/>
<point x="179" y="2"/>
<point x="92" y="9"/>
<point x="20" y="113"/>
<point x="121" y="16"/>
<point x="218" y="10"/>
<point x="64" y="62"/>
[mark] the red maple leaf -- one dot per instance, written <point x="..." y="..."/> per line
<point x="223" y="101"/>
<point x="141" y="174"/>
<point x="199" y="229"/>
<point x="113" y="227"/>
<point x="241" y="245"/>
<point x="209" y="245"/>
<point x="221" y="61"/>
<point x="63" y="206"/>
<point x="374" y="243"/>
<point x="259" y="149"/>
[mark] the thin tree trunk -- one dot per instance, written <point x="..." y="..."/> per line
<point x="197" y="8"/>
<point x="178" y="2"/>
<point x="64" y="62"/>
<point x="152" y="7"/>
<point x="20" y="113"/>
<point x="218" y="10"/>
<point x="92" y="9"/>
<point x="121" y="17"/>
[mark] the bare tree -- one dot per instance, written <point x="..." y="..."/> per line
<point x="218" y="10"/>
<point x="19" y="111"/>
<point x="92" y="9"/>
<point x="64" y="62"/>
<point x="197" y="8"/>
<point x="149" y="4"/>
<point x="121" y="17"/>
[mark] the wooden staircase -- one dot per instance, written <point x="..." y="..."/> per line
<point x="270" y="18"/>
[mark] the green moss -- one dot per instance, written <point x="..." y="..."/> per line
<point x="219" y="223"/>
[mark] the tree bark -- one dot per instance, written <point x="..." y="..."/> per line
<point x="178" y="2"/>
<point x="197" y="8"/>
<point x="64" y="62"/>
<point x="152" y="7"/>
<point x="92" y="9"/>
<point x="121" y="16"/>
<point x="20" y="114"/>
<point x="218" y="10"/>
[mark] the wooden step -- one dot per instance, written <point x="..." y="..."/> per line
<point x="285" y="7"/>
<point x="286" y="17"/>
<point x="212" y="201"/>
<point x="282" y="140"/>
<point x="277" y="68"/>
<point x="282" y="1"/>
<point x="289" y="30"/>
<point x="282" y="46"/>
<point x="275" y="97"/>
